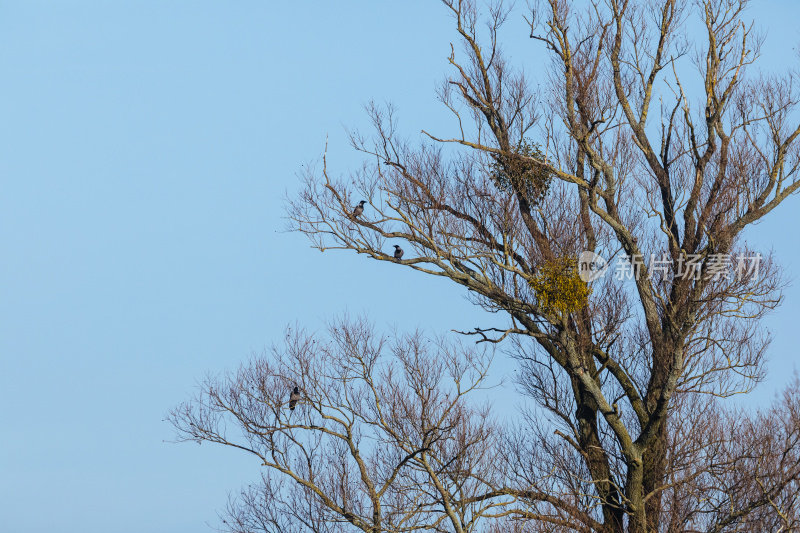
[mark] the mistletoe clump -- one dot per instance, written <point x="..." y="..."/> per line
<point x="558" y="287"/>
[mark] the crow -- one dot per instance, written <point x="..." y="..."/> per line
<point x="294" y="398"/>
<point x="359" y="208"/>
<point x="398" y="252"/>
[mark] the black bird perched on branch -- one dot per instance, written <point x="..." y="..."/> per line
<point x="359" y="208"/>
<point x="398" y="252"/>
<point x="294" y="397"/>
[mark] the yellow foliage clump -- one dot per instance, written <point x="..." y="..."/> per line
<point x="558" y="287"/>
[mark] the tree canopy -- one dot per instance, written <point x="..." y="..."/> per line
<point x="651" y="141"/>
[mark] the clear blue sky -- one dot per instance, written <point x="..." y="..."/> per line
<point x="145" y="151"/>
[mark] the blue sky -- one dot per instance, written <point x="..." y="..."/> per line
<point x="145" y="152"/>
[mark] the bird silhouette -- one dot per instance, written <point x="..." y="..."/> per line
<point x="294" y="397"/>
<point x="398" y="252"/>
<point x="359" y="208"/>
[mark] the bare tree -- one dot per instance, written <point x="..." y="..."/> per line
<point x="390" y="436"/>
<point x="652" y="140"/>
<point x="650" y="144"/>
<point x="383" y="438"/>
